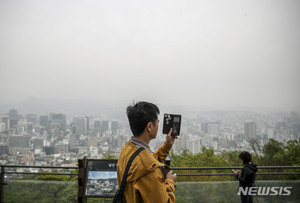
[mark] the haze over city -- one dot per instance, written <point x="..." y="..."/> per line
<point x="195" y="54"/>
<point x="228" y="71"/>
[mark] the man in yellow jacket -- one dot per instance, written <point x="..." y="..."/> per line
<point x="147" y="180"/>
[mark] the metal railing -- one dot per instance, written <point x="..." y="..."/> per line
<point x="236" y="167"/>
<point x="37" y="173"/>
<point x="173" y="168"/>
<point x="58" y="170"/>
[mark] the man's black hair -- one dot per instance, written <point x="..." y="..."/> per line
<point x="245" y="156"/>
<point x="139" y="115"/>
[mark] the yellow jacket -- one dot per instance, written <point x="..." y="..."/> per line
<point x="145" y="181"/>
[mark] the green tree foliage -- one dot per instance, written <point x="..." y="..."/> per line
<point x="206" y="158"/>
<point x="56" y="177"/>
<point x="40" y="191"/>
<point x="109" y="156"/>
<point x="293" y="153"/>
<point x="275" y="153"/>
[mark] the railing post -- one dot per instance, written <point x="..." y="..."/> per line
<point x="2" y="185"/>
<point x="81" y="174"/>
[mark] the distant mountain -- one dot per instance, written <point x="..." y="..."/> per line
<point x="78" y="106"/>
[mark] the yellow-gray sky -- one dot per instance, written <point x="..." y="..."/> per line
<point x="190" y="53"/>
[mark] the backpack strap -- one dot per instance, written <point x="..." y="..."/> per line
<point x="123" y="183"/>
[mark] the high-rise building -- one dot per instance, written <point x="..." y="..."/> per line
<point x="204" y="127"/>
<point x="80" y="126"/>
<point x="13" y="114"/>
<point x="210" y="127"/>
<point x="19" y="141"/>
<point x="73" y="127"/>
<point x="250" y="130"/>
<point x="114" y="127"/>
<point x="72" y="143"/>
<point x="3" y="148"/>
<point x="31" y="118"/>
<point x="14" y="118"/>
<point x="13" y="122"/>
<point x="29" y="127"/>
<point x="59" y="119"/>
<point x="5" y="119"/>
<point x="87" y="124"/>
<point x="105" y="126"/>
<point x="21" y="127"/>
<point x="97" y="126"/>
<point x="2" y="127"/>
<point x="44" y="121"/>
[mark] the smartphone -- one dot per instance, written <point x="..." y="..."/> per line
<point x="165" y="170"/>
<point x="172" y="121"/>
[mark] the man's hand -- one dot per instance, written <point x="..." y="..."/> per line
<point x="170" y="139"/>
<point x="172" y="176"/>
<point x="237" y="172"/>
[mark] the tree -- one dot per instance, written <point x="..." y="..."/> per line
<point x="109" y="156"/>
<point x="274" y="153"/>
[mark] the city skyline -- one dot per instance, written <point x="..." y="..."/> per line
<point x="58" y="133"/>
<point x="84" y="107"/>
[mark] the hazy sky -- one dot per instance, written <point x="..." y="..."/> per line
<point x="191" y="53"/>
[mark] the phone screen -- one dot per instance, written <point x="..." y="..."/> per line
<point x="176" y="125"/>
<point x="172" y="121"/>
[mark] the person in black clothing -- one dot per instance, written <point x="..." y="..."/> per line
<point x="246" y="177"/>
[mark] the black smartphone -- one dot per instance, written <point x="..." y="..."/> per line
<point x="172" y="121"/>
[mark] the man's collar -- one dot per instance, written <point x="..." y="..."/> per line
<point x="140" y="143"/>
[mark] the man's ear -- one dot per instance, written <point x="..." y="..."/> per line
<point x="149" y="125"/>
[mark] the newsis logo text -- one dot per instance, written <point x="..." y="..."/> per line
<point x="260" y="191"/>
